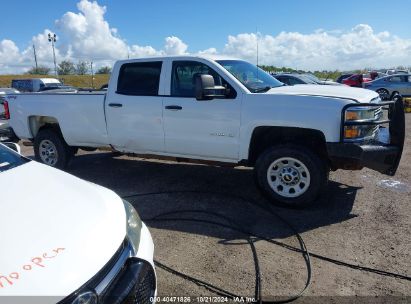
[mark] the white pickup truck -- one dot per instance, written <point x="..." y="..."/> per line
<point x="219" y="110"/>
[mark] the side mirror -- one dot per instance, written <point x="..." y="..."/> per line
<point x="13" y="146"/>
<point x="206" y="89"/>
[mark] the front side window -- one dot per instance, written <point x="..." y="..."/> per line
<point x="184" y="74"/>
<point x="395" y="79"/>
<point x="283" y="80"/>
<point x="139" y="78"/>
<point x="294" y="81"/>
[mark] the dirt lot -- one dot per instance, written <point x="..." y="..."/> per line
<point x="364" y="219"/>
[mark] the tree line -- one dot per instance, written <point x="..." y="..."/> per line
<point x="67" y="67"/>
<point x="322" y="74"/>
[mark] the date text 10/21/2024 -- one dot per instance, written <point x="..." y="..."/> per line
<point x="201" y="299"/>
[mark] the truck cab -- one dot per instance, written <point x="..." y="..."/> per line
<point x="222" y="110"/>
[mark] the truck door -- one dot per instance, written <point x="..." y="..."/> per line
<point x="200" y="129"/>
<point x="134" y="108"/>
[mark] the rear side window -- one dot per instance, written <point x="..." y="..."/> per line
<point x="139" y="78"/>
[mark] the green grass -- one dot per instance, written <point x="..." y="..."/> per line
<point x="79" y="81"/>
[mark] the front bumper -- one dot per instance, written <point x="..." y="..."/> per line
<point x="124" y="279"/>
<point x="383" y="154"/>
<point x="129" y="277"/>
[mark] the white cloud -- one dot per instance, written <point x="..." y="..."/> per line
<point x="89" y="34"/>
<point x="358" y="48"/>
<point x="86" y="35"/>
<point x="174" y="46"/>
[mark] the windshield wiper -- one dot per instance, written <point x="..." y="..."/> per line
<point x="262" y="90"/>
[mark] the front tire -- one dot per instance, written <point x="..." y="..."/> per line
<point x="51" y="149"/>
<point x="384" y="94"/>
<point x="291" y="176"/>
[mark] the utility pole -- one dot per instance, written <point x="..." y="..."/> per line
<point x="35" y="58"/>
<point x="53" y="39"/>
<point x="256" y="30"/>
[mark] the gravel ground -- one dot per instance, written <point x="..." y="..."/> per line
<point x="363" y="219"/>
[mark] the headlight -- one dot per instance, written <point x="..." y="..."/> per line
<point x="134" y="225"/>
<point x="360" y="114"/>
<point x="87" y="297"/>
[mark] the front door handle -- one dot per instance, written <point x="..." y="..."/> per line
<point x="174" y="108"/>
<point x="115" y="105"/>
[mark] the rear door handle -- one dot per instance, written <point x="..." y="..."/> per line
<point x="115" y="105"/>
<point x="174" y="108"/>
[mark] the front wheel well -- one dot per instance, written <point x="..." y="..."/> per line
<point x="266" y="137"/>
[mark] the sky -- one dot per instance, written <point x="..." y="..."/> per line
<point x="301" y="34"/>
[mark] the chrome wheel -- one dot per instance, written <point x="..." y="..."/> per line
<point x="288" y="177"/>
<point x="384" y="94"/>
<point x="48" y="152"/>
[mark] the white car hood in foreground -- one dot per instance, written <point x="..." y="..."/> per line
<point x="361" y="95"/>
<point x="57" y="231"/>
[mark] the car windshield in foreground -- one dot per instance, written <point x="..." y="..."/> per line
<point x="10" y="159"/>
<point x="253" y="78"/>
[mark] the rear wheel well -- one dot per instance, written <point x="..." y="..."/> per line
<point x="38" y="123"/>
<point x="266" y="137"/>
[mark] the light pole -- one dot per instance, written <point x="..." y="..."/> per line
<point x="52" y="39"/>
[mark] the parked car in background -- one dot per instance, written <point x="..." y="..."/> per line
<point x="320" y="81"/>
<point x="35" y="84"/>
<point x="394" y="72"/>
<point x="342" y="77"/>
<point x="356" y="80"/>
<point x="5" y="131"/>
<point x="72" y="241"/>
<point x="391" y="85"/>
<point x="293" y="79"/>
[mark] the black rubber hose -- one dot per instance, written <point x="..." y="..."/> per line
<point x="270" y="210"/>
<point x="234" y="226"/>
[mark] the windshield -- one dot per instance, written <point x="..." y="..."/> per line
<point x="10" y="159"/>
<point x="253" y="78"/>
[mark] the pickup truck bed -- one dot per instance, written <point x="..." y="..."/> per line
<point x="80" y="115"/>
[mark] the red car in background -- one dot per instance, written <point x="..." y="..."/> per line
<point x="356" y="80"/>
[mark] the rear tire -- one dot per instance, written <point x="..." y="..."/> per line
<point x="51" y="149"/>
<point x="291" y="176"/>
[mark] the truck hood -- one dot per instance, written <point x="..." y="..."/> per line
<point x="57" y="231"/>
<point x="345" y="92"/>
